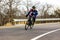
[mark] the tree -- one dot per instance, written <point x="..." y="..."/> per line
<point x="57" y="12"/>
<point x="7" y="10"/>
<point x="44" y="10"/>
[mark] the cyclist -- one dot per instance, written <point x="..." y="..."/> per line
<point x="32" y="14"/>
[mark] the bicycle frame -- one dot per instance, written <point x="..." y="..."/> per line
<point x="29" y="23"/>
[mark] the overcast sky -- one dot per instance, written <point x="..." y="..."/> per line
<point x="52" y="2"/>
<point x="55" y="3"/>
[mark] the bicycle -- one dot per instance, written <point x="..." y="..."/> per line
<point x="29" y="23"/>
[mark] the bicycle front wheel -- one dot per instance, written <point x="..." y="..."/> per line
<point x="26" y="26"/>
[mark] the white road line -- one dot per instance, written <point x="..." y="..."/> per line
<point x="44" y="34"/>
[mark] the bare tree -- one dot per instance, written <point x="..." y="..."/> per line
<point x="44" y="11"/>
<point x="57" y="12"/>
<point x="8" y="10"/>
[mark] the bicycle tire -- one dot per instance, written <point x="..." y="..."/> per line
<point x="26" y="27"/>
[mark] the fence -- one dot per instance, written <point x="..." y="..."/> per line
<point x="46" y="20"/>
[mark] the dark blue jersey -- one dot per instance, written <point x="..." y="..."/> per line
<point x="32" y="13"/>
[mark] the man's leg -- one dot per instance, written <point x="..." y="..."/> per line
<point x="29" y="20"/>
<point x="33" y="20"/>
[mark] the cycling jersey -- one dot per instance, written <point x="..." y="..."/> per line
<point x="32" y="13"/>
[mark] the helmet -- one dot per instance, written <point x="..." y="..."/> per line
<point x="33" y="7"/>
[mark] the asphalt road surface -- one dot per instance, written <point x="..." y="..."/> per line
<point x="19" y="33"/>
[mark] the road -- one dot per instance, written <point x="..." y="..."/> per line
<point x="19" y="33"/>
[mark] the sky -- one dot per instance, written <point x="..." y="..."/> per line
<point x="55" y="3"/>
<point x="52" y="2"/>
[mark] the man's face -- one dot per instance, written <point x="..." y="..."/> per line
<point x="33" y="8"/>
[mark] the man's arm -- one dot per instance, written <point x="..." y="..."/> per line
<point x="28" y="13"/>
